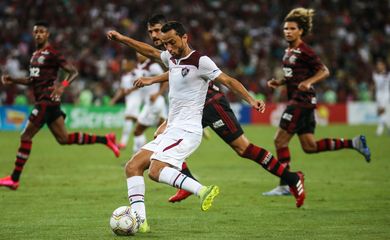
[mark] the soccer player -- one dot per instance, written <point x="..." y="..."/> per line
<point x="381" y="79"/>
<point x="303" y="68"/>
<point x="132" y="100"/>
<point x="154" y="111"/>
<point x="218" y="115"/>
<point x="189" y="75"/>
<point x="44" y="66"/>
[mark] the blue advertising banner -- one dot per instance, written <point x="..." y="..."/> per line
<point x="13" y="117"/>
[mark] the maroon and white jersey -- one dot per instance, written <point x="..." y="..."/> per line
<point x="44" y="66"/>
<point x="299" y="64"/>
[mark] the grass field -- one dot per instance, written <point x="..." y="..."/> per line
<point x="69" y="192"/>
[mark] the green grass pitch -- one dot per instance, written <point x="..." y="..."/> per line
<point x="69" y="192"/>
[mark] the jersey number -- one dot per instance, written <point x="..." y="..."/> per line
<point x="34" y="72"/>
<point x="287" y="72"/>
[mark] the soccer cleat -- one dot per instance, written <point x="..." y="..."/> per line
<point x="8" y="182"/>
<point x="207" y="195"/>
<point x="360" y="145"/>
<point x="111" y="144"/>
<point x="298" y="190"/>
<point x="181" y="194"/>
<point x="144" y="227"/>
<point x="283" y="190"/>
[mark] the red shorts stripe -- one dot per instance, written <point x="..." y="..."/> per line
<point x="173" y="145"/>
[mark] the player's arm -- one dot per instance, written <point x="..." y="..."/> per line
<point x="146" y="81"/>
<point x="72" y="73"/>
<point x="118" y="95"/>
<point x="7" y="80"/>
<point x="274" y="83"/>
<point x="320" y="75"/>
<point x="141" y="47"/>
<point x="237" y="88"/>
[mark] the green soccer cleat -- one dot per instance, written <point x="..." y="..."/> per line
<point x="144" y="227"/>
<point x="207" y="195"/>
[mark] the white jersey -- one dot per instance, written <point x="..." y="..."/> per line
<point x="188" y="83"/>
<point x="382" y="88"/>
<point x="149" y="69"/>
<point x="133" y="100"/>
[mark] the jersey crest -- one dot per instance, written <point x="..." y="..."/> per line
<point x="185" y="71"/>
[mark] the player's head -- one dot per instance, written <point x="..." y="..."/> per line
<point x="174" y="38"/>
<point x="155" y="24"/>
<point x="380" y="66"/>
<point x="41" y="32"/>
<point x="298" y="23"/>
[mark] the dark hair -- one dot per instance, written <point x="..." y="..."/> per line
<point x="42" y="23"/>
<point x="173" y="25"/>
<point x="157" y="19"/>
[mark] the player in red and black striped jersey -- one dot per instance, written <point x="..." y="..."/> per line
<point x="303" y="68"/>
<point x="218" y="115"/>
<point x="44" y="66"/>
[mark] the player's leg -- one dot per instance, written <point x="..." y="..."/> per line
<point x="134" y="169"/>
<point x="381" y="121"/>
<point x="22" y="156"/>
<point x="126" y="131"/>
<point x="56" y="125"/>
<point x="139" y="136"/>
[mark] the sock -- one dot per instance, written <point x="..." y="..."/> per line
<point x="328" y="144"/>
<point x="176" y="179"/>
<point x="269" y="162"/>
<point x="83" y="138"/>
<point x="136" y="194"/>
<point x="21" y="159"/>
<point x="127" y="127"/>
<point x="284" y="158"/>
<point x="186" y="171"/>
<point x="139" y="142"/>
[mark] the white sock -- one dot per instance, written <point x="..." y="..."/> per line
<point x="136" y="194"/>
<point x="127" y="127"/>
<point x="176" y="179"/>
<point x="381" y="124"/>
<point x="139" y="142"/>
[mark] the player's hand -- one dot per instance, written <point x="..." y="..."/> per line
<point x="304" y="86"/>
<point x="273" y="83"/>
<point x="57" y="93"/>
<point x="142" y="82"/>
<point x="113" y="35"/>
<point x="259" y="105"/>
<point x="6" y="80"/>
<point x="154" y="97"/>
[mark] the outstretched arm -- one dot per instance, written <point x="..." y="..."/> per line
<point x="6" y="80"/>
<point x="238" y="89"/>
<point x="141" y="47"/>
<point x="146" y="81"/>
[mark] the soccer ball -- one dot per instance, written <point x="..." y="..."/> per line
<point x="124" y="221"/>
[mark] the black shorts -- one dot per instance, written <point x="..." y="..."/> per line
<point x="45" y="113"/>
<point x="218" y="115"/>
<point x="298" y="120"/>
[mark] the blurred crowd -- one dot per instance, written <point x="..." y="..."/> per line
<point x="244" y="38"/>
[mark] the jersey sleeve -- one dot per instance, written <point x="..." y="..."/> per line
<point x="156" y="69"/>
<point x="312" y="60"/>
<point x="208" y="69"/>
<point x="165" y="56"/>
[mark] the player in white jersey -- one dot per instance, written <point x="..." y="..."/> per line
<point x="133" y="99"/>
<point x="381" y="79"/>
<point x="154" y="110"/>
<point x="189" y="74"/>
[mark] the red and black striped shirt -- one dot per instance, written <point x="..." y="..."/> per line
<point x="44" y="66"/>
<point x="299" y="64"/>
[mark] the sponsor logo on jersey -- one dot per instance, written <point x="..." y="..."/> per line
<point x="218" y="124"/>
<point x="45" y="52"/>
<point x="41" y="59"/>
<point x="34" y="112"/>
<point x="185" y="71"/>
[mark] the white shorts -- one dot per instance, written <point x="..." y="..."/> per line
<point x="152" y="112"/>
<point x="133" y="105"/>
<point x="173" y="146"/>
